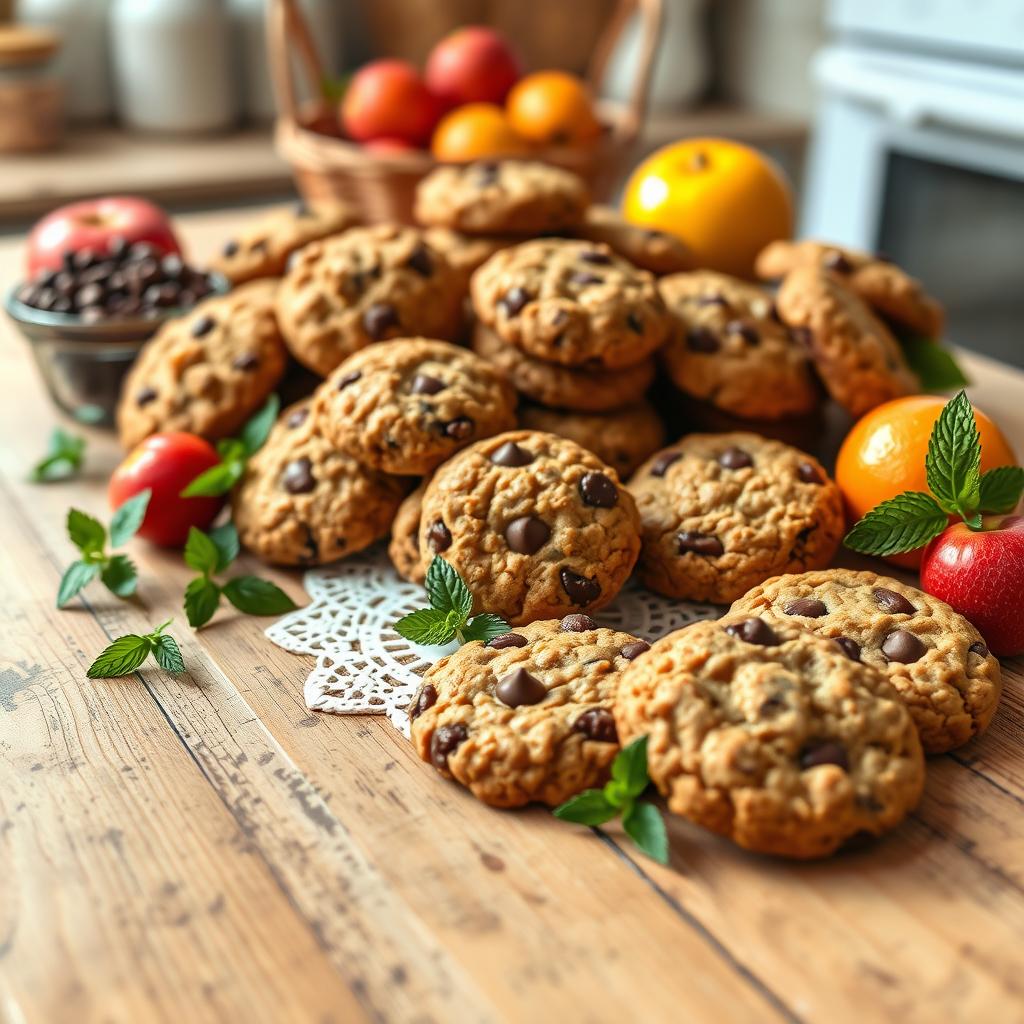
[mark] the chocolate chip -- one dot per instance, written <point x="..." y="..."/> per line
<point x="583" y="277"/>
<point x="518" y="688"/>
<point x="144" y="397"/>
<point x="444" y="741"/>
<point x="459" y="429"/>
<point x="635" y="323"/>
<point x="439" y="537"/>
<point x="510" y="454"/>
<point x="499" y="643"/>
<point x="597" y="724"/>
<point x="577" y="623"/>
<point x="802" y="336"/>
<point x="810" y="607"/>
<point x="701" y="339"/>
<point x="698" y="543"/>
<point x="754" y="631"/>
<point x="513" y="301"/>
<point x="849" y="647"/>
<point x="595" y="256"/>
<point x="173" y="266"/>
<point x="836" y="262"/>
<point x="903" y="647"/>
<point x="890" y="601"/>
<point x="246" y="362"/>
<point x="90" y="295"/>
<point x="422" y="384"/>
<point x="230" y="248"/>
<point x="426" y="698"/>
<point x="635" y="649"/>
<point x="349" y="378"/>
<point x="734" y="458"/>
<point x="659" y="467"/>
<point x="713" y="299"/>
<point x="421" y="261"/>
<point x="809" y="473"/>
<point x="202" y="325"/>
<point x="297" y="477"/>
<point x="598" y="490"/>
<point x="824" y="752"/>
<point x="486" y="173"/>
<point x="297" y="418"/>
<point x="978" y="648"/>
<point x="380" y="318"/>
<point x="581" y="590"/>
<point x="527" y="535"/>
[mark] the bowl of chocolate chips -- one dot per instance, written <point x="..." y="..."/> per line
<point x="87" y="320"/>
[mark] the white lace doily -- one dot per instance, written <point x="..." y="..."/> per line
<point x="363" y="667"/>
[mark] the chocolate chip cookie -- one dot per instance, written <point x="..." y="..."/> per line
<point x="623" y="438"/>
<point x="572" y="303"/>
<point x="527" y="716"/>
<point x="466" y="253"/>
<point x="302" y="502"/>
<point x="262" y="250"/>
<point x="404" y="546"/>
<point x="730" y="350"/>
<point x="206" y="372"/>
<point x="563" y="386"/>
<point x="860" y="362"/>
<point x="892" y="293"/>
<point x="934" y="657"/>
<point x="536" y="526"/>
<point x="511" y="197"/>
<point x="771" y="736"/>
<point x="652" y="250"/>
<point x="368" y="284"/>
<point x="723" y="512"/>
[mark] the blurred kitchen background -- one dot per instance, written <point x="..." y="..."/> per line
<point x="899" y="122"/>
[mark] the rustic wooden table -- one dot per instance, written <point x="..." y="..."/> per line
<point x="203" y="848"/>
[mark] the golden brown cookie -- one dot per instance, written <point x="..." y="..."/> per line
<point x="467" y="252"/>
<point x="404" y="546"/>
<point x="656" y="251"/>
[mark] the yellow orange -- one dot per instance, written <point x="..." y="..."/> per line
<point x="552" y="108"/>
<point x="476" y="131"/>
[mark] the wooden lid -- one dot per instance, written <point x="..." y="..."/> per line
<point x="22" y="46"/>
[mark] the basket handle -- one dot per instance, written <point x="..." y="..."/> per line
<point x="284" y="21"/>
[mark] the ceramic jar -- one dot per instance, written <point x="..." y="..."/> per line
<point x="31" y="93"/>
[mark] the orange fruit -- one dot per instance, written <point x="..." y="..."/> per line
<point x="474" y="131"/>
<point x="884" y="453"/>
<point x="724" y="200"/>
<point x="552" y="108"/>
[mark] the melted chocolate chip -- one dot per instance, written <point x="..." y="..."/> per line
<point x="746" y="331"/>
<point x="890" y="601"/>
<point x="459" y="429"/>
<point x="849" y="647"/>
<point x="635" y="323"/>
<point x="297" y="418"/>
<point x="595" y="256"/>
<point x="598" y="490"/>
<point x="701" y="339"/>
<point x="486" y="173"/>
<point x="426" y="698"/>
<point x="421" y="261"/>
<point x="698" y="543"/>
<point x="836" y="262"/>
<point x="439" y="537"/>
<point x="754" y="631"/>
<point x="230" y="248"/>
<point x="809" y="473"/>
<point x="513" y="300"/>
<point x="348" y="378"/>
<point x="583" y="277"/>
<point x="510" y="454"/>
<point x="712" y="299"/>
<point x="581" y="591"/>
<point x="444" y="741"/>
<point x="246" y="362"/>
<point x="578" y="623"/>
<point x="734" y="458"/>
<point x="202" y="325"/>
<point x="659" y="467"/>
<point x="527" y="535"/>
<point x="297" y="477"/>
<point x="380" y="318"/>
<point x="597" y="724"/>
<point x="635" y="649"/>
<point x="144" y="396"/>
<point x="903" y="647"/>
<point x="810" y="607"/>
<point x="519" y="688"/>
<point x="423" y="384"/>
<point x="499" y="643"/>
<point x="978" y="648"/>
<point x="824" y="752"/>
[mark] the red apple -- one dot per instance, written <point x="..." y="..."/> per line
<point x="386" y="146"/>
<point x="980" y="573"/>
<point x="92" y="224"/>
<point x="472" y="65"/>
<point x="387" y="98"/>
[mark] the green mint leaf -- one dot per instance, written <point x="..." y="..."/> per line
<point x="428" y="626"/>
<point x="202" y="596"/>
<point x="256" y="431"/>
<point x="952" y="466"/>
<point x="159" y="629"/>
<point x="974" y="521"/>
<point x="629" y="769"/>
<point x="120" y="576"/>
<point x="168" y="654"/>
<point x="256" y="596"/>
<point x="201" y="553"/>
<point x="87" y="534"/>
<point x="591" y="807"/>
<point x="484" y="627"/>
<point x="446" y="590"/>
<point x="121" y="658"/>
<point x="644" y="825"/>
<point x="215" y="481"/>
<point x="225" y="540"/>
<point x="935" y="366"/>
<point x="903" y="523"/>
<point x="63" y="459"/>
<point x="77" y="576"/>
<point x="230" y="449"/>
<point x="128" y="518"/>
<point x="1001" y="489"/>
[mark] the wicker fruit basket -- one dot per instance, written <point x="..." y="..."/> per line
<point x="327" y="166"/>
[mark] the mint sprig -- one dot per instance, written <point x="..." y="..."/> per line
<point x="234" y="452"/>
<point x="64" y="456"/>
<point x="641" y="819"/>
<point x="934" y="365"/>
<point x="956" y="485"/>
<point x="447" y="618"/>
<point x="127" y="653"/>
<point x="89" y="535"/>
<point x="210" y="554"/>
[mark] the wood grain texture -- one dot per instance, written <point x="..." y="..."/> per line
<point x="204" y="846"/>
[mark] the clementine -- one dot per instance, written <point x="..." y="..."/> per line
<point x="726" y="201"/>
<point x="553" y="108"/>
<point x="475" y="131"/>
<point x="884" y="453"/>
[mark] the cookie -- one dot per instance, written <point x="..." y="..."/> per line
<point x="366" y="285"/>
<point x="404" y="546"/>
<point x="728" y="349"/>
<point x="652" y="250"/>
<point x="934" y="657"/>
<point x="724" y="512"/>
<point x="526" y="717"/>
<point x="466" y="253"/>
<point x="406" y="406"/>
<point x="535" y="525"/>
<point x="206" y="372"/>
<point x="891" y="292"/>
<point x="572" y="303"/>
<point x="623" y="438"/>
<point x="562" y="386"/>
<point x="858" y="359"/>
<point x="262" y="250"/>
<point x="771" y="736"/>
<point x="302" y="502"/>
<point x="511" y="197"/>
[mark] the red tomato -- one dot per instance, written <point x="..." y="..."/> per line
<point x="167" y="464"/>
